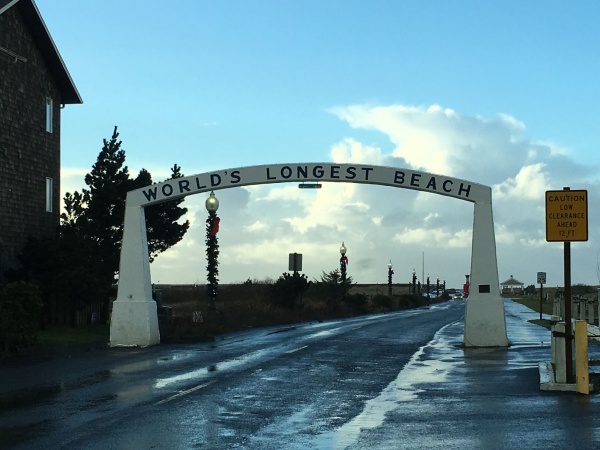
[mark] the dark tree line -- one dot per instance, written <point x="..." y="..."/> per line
<point x="79" y="265"/>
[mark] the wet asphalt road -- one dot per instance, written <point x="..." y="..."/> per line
<point x="399" y="380"/>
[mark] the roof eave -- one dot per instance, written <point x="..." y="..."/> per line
<point x="33" y="19"/>
<point x="5" y="5"/>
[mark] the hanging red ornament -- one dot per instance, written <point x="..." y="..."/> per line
<point x="215" y="226"/>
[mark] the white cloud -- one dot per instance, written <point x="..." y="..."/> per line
<point x="529" y="184"/>
<point x="257" y="226"/>
<point x="440" y="140"/>
<point x="261" y="225"/>
<point x="351" y="151"/>
<point x="71" y="180"/>
<point x="435" y="237"/>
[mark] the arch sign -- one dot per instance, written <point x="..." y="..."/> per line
<point x="134" y="319"/>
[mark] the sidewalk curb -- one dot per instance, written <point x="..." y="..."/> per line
<point x="548" y="382"/>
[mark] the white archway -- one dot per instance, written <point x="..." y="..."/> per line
<point x="134" y="320"/>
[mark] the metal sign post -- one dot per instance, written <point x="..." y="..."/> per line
<point x="568" y="325"/>
<point x="541" y="279"/>
<point x="566" y="221"/>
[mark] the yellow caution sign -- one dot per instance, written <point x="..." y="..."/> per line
<point x="566" y="216"/>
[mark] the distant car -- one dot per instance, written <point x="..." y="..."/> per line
<point x="458" y="296"/>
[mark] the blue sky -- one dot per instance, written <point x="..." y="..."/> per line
<point x="499" y="93"/>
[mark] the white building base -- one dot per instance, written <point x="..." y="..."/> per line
<point x="134" y="324"/>
<point x="485" y="323"/>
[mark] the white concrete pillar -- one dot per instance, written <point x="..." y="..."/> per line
<point x="558" y="353"/>
<point x="134" y="319"/>
<point x="485" y="321"/>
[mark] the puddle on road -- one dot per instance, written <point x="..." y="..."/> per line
<point x="205" y="371"/>
<point x="419" y="370"/>
<point x="136" y="366"/>
<point x="324" y="333"/>
<point x="486" y="356"/>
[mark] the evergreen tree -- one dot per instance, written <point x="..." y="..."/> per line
<point x="332" y="287"/>
<point x="162" y="224"/>
<point x="288" y="290"/>
<point x="334" y="278"/>
<point x="78" y="266"/>
<point x="97" y="212"/>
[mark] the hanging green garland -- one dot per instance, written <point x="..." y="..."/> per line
<point x="212" y="255"/>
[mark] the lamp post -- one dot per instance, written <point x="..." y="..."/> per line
<point x="390" y="273"/>
<point x="212" y="248"/>
<point x="343" y="264"/>
<point x="414" y="282"/>
<point x="437" y="286"/>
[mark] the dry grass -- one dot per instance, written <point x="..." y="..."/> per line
<point x="242" y="306"/>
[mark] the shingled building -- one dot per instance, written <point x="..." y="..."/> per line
<point x="34" y="86"/>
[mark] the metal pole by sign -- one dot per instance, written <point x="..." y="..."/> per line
<point x="541" y="279"/>
<point x="568" y="325"/>
<point x="541" y="297"/>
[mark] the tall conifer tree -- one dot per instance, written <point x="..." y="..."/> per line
<point x="97" y="212"/>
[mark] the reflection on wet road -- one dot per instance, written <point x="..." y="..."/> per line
<point x="399" y="380"/>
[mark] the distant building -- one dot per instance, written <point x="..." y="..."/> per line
<point x="511" y="285"/>
<point x="34" y="86"/>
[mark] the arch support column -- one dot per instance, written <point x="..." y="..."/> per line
<point x="134" y="319"/>
<point x="485" y="322"/>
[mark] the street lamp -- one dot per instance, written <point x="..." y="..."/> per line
<point x="343" y="264"/>
<point x="390" y="273"/>
<point x="212" y="248"/>
<point x="414" y="281"/>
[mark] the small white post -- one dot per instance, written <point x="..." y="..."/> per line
<point x="558" y="353"/>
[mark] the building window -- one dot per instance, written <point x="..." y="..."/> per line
<point x="49" y="194"/>
<point x="49" y="114"/>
